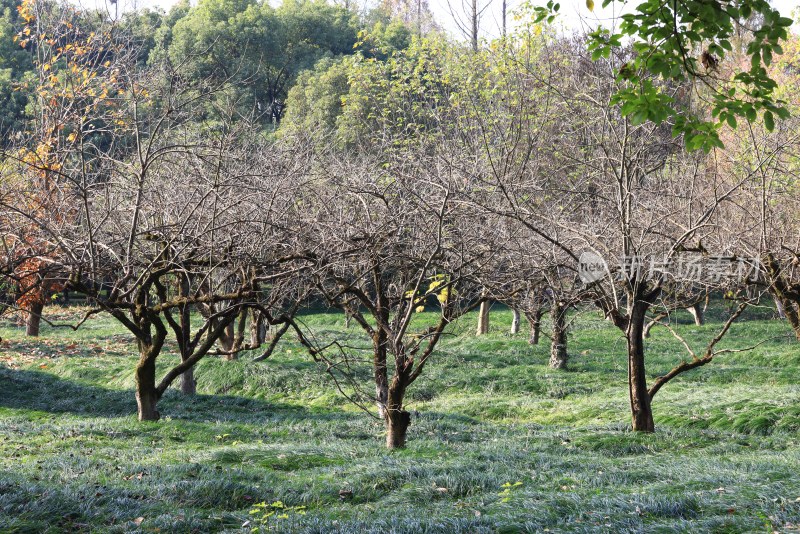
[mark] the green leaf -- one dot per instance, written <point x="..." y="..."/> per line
<point x="767" y="55"/>
<point x="769" y="121"/>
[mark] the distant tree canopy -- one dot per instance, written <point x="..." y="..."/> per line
<point x="15" y="68"/>
<point x="260" y="47"/>
<point x="693" y="64"/>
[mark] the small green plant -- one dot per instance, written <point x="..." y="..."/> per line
<point x="767" y="521"/>
<point x="508" y="490"/>
<point x="268" y="517"/>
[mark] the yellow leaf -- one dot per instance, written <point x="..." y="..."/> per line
<point x="590" y="5"/>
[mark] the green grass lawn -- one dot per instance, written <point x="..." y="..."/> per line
<point x="487" y="412"/>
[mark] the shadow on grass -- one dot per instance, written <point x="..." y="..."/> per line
<point x="40" y="391"/>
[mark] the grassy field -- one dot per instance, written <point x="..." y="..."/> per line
<point x="498" y="443"/>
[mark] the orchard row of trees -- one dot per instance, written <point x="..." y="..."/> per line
<point x="408" y="173"/>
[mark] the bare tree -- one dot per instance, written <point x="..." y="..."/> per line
<point x="467" y="18"/>
<point x="597" y="188"/>
<point x="395" y="245"/>
<point x="766" y="224"/>
<point x="158" y="213"/>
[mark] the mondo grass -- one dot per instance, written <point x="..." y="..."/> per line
<point x="487" y="414"/>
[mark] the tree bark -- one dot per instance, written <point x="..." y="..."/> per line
<point x="188" y="383"/>
<point x="558" y="345"/>
<point x="381" y="375"/>
<point x="535" y="322"/>
<point x="697" y="312"/>
<point x="789" y="308"/>
<point x="641" y="412"/>
<point x="474" y="28"/>
<point x="503" y="16"/>
<point x="397" y="419"/>
<point x="779" y="307"/>
<point x="779" y="288"/>
<point x="483" y="319"/>
<point x="146" y="394"/>
<point x="515" y="321"/>
<point x="33" y="319"/>
<point x="258" y="329"/>
<point x="381" y="395"/>
<point x="397" y="423"/>
<point x="792" y="314"/>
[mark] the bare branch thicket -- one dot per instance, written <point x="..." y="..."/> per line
<point x="161" y="212"/>
<point x="587" y="180"/>
<point x="401" y="257"/>
<point x="765" y="221"/>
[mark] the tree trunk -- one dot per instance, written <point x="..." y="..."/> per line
<point x="474" y="28"/>
<point x="258" y="329"/>
<point x="33" y="319"/>
<point x="779" y="287"/>
<point x="558" y="345"/>
<point x="535" y="322"/>
<point x="779" y="307"/>
<point x="381" y="380"/>
<point x="397" y="419"/>
<point x="188" y="383"/>
<point x="381" y="376"/>
<point x="381" y="395"/>
<point x="483" y="319"/>
<point x="791" y="310"/>
<point x="503" y="16"/>
<point x="146" y="393"/>
<point x="697" y="312"/>
<point x="397" y="423"/>
<point x="515" y="321"/>
<point x="641" y="412"/>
